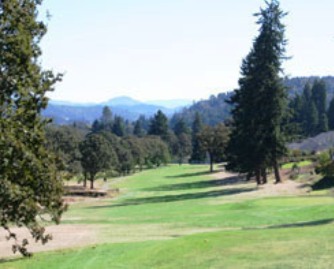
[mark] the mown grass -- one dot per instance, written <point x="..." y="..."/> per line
<point x="179" y="203"/>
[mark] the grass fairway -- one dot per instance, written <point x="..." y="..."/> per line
<point x="183" y="217"/>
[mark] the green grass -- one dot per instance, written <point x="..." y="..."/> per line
<point x="300" y="164"/>
<point x="182" y="217"/>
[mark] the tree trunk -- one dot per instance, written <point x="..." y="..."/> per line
<point x="277" y="173"/>
<point x="91" y="182"/>
<point x="211" y="162"/>
<point x="85" y="180"/>
<point x="258" y="176"/>
<point x="264" y="176"/>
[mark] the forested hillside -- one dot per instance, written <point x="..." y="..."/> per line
<point x="216" y="110"/>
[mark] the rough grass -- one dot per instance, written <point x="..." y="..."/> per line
<point x="300" y="164"/>
<point x="182" y="217"/>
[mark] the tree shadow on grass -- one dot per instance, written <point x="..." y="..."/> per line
<point x="196" y="174"/>
<point x="178" y="197"/>
<point x="295" y="225"/>
<point x="323" y="184"/>
<point x="198" y="185"/>
<point x="10" y="260"/>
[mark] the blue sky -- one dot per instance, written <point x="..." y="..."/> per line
<point x="154" y="49"/>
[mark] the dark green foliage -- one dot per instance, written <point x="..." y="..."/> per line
<point x="119" y="126"/>
<point x="257" y="140"/>
<point x="181" y="127"/>
<point x="198" y="154"/>
<point x="106" y="119"/>
<point x="330" y="115"/>
<point x="309" y="109"/>
<point x="183" y="147"/>
<point x="138" y="129"/>
<point x="97" y="155"/>
<point x="213" y="111"/>
<point x="156" y="151"/>
<point x="159" y="125"/>
<point x="64" y="142"/>
<point x="29" y="184"/>
<point x="214" y="140"/>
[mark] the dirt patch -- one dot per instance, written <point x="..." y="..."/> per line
<point x="71" y="236"/>
<point x="64" y="236"/>
<point x="287" y="187"/>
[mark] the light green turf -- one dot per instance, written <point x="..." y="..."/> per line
<point x="300" y="164"/>
<point x="208" y="224"/>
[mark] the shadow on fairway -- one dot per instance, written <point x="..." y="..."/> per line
<point x="295" y="225"/>
<point x="178" y="197"/>
<point x="10" y="260"/>
<point x="198" y="184"/>
<point x="195" y="174"/>
<point x="323" y="184"/>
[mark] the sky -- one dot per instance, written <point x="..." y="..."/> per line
<point x="171" y="49"/>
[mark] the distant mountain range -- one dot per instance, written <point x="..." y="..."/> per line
<point x="63" y="112"/>
<point x="213" y="110"/>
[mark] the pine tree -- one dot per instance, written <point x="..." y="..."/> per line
<point x="257" y="140"/>
<point x="138" y="129"/>
<point x="198" y="154"/>
<point x="29" y="184"/>
<point x="159" y="125"/>
<point x="330" y="115"/>
<point x="118" y="127"/>
<point x="181" y="127"/>
<point x="106" y="120"/>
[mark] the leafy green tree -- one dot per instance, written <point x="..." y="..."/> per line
<point x="198" y="154"/>
<point x="137" y="150"/>
<point x="258" y="140"/>
<point x="29" y="183"/>
<point x="64" y="141"/>
<point x="97" y="156"/>
<point x="183" y="147"/>
<point x="157" y="152"/>
<point x="125" y="158"/>
<point x="159" y="125"/>
<point x="214" y="141"/>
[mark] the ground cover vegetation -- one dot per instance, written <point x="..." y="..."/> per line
<point x="183" y="216"/>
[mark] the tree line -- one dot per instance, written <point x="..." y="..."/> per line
<point x="107" y="148"/>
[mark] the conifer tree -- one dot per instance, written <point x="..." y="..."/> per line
<point x="198" y="154"/>
<point x="159" y="125"/>
<point x="29" y="183"/>
<point x="118" y="127"/>
<point x="330" y="115"/>
<point x="257" y="140"/>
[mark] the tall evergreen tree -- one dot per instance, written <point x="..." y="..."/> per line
<point x="330" y="115"/>
<point x="319" y="96"/>
<point x="198" y="154"/>
<point x="106" y="120"/>
<point x="118" y="127"/>
<point x="181" y="127"/>
<point x="138" y="129"/>
<point x="257" y="140"/>
<point x="29" y="184"/>
<point x="159" y="125"/>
